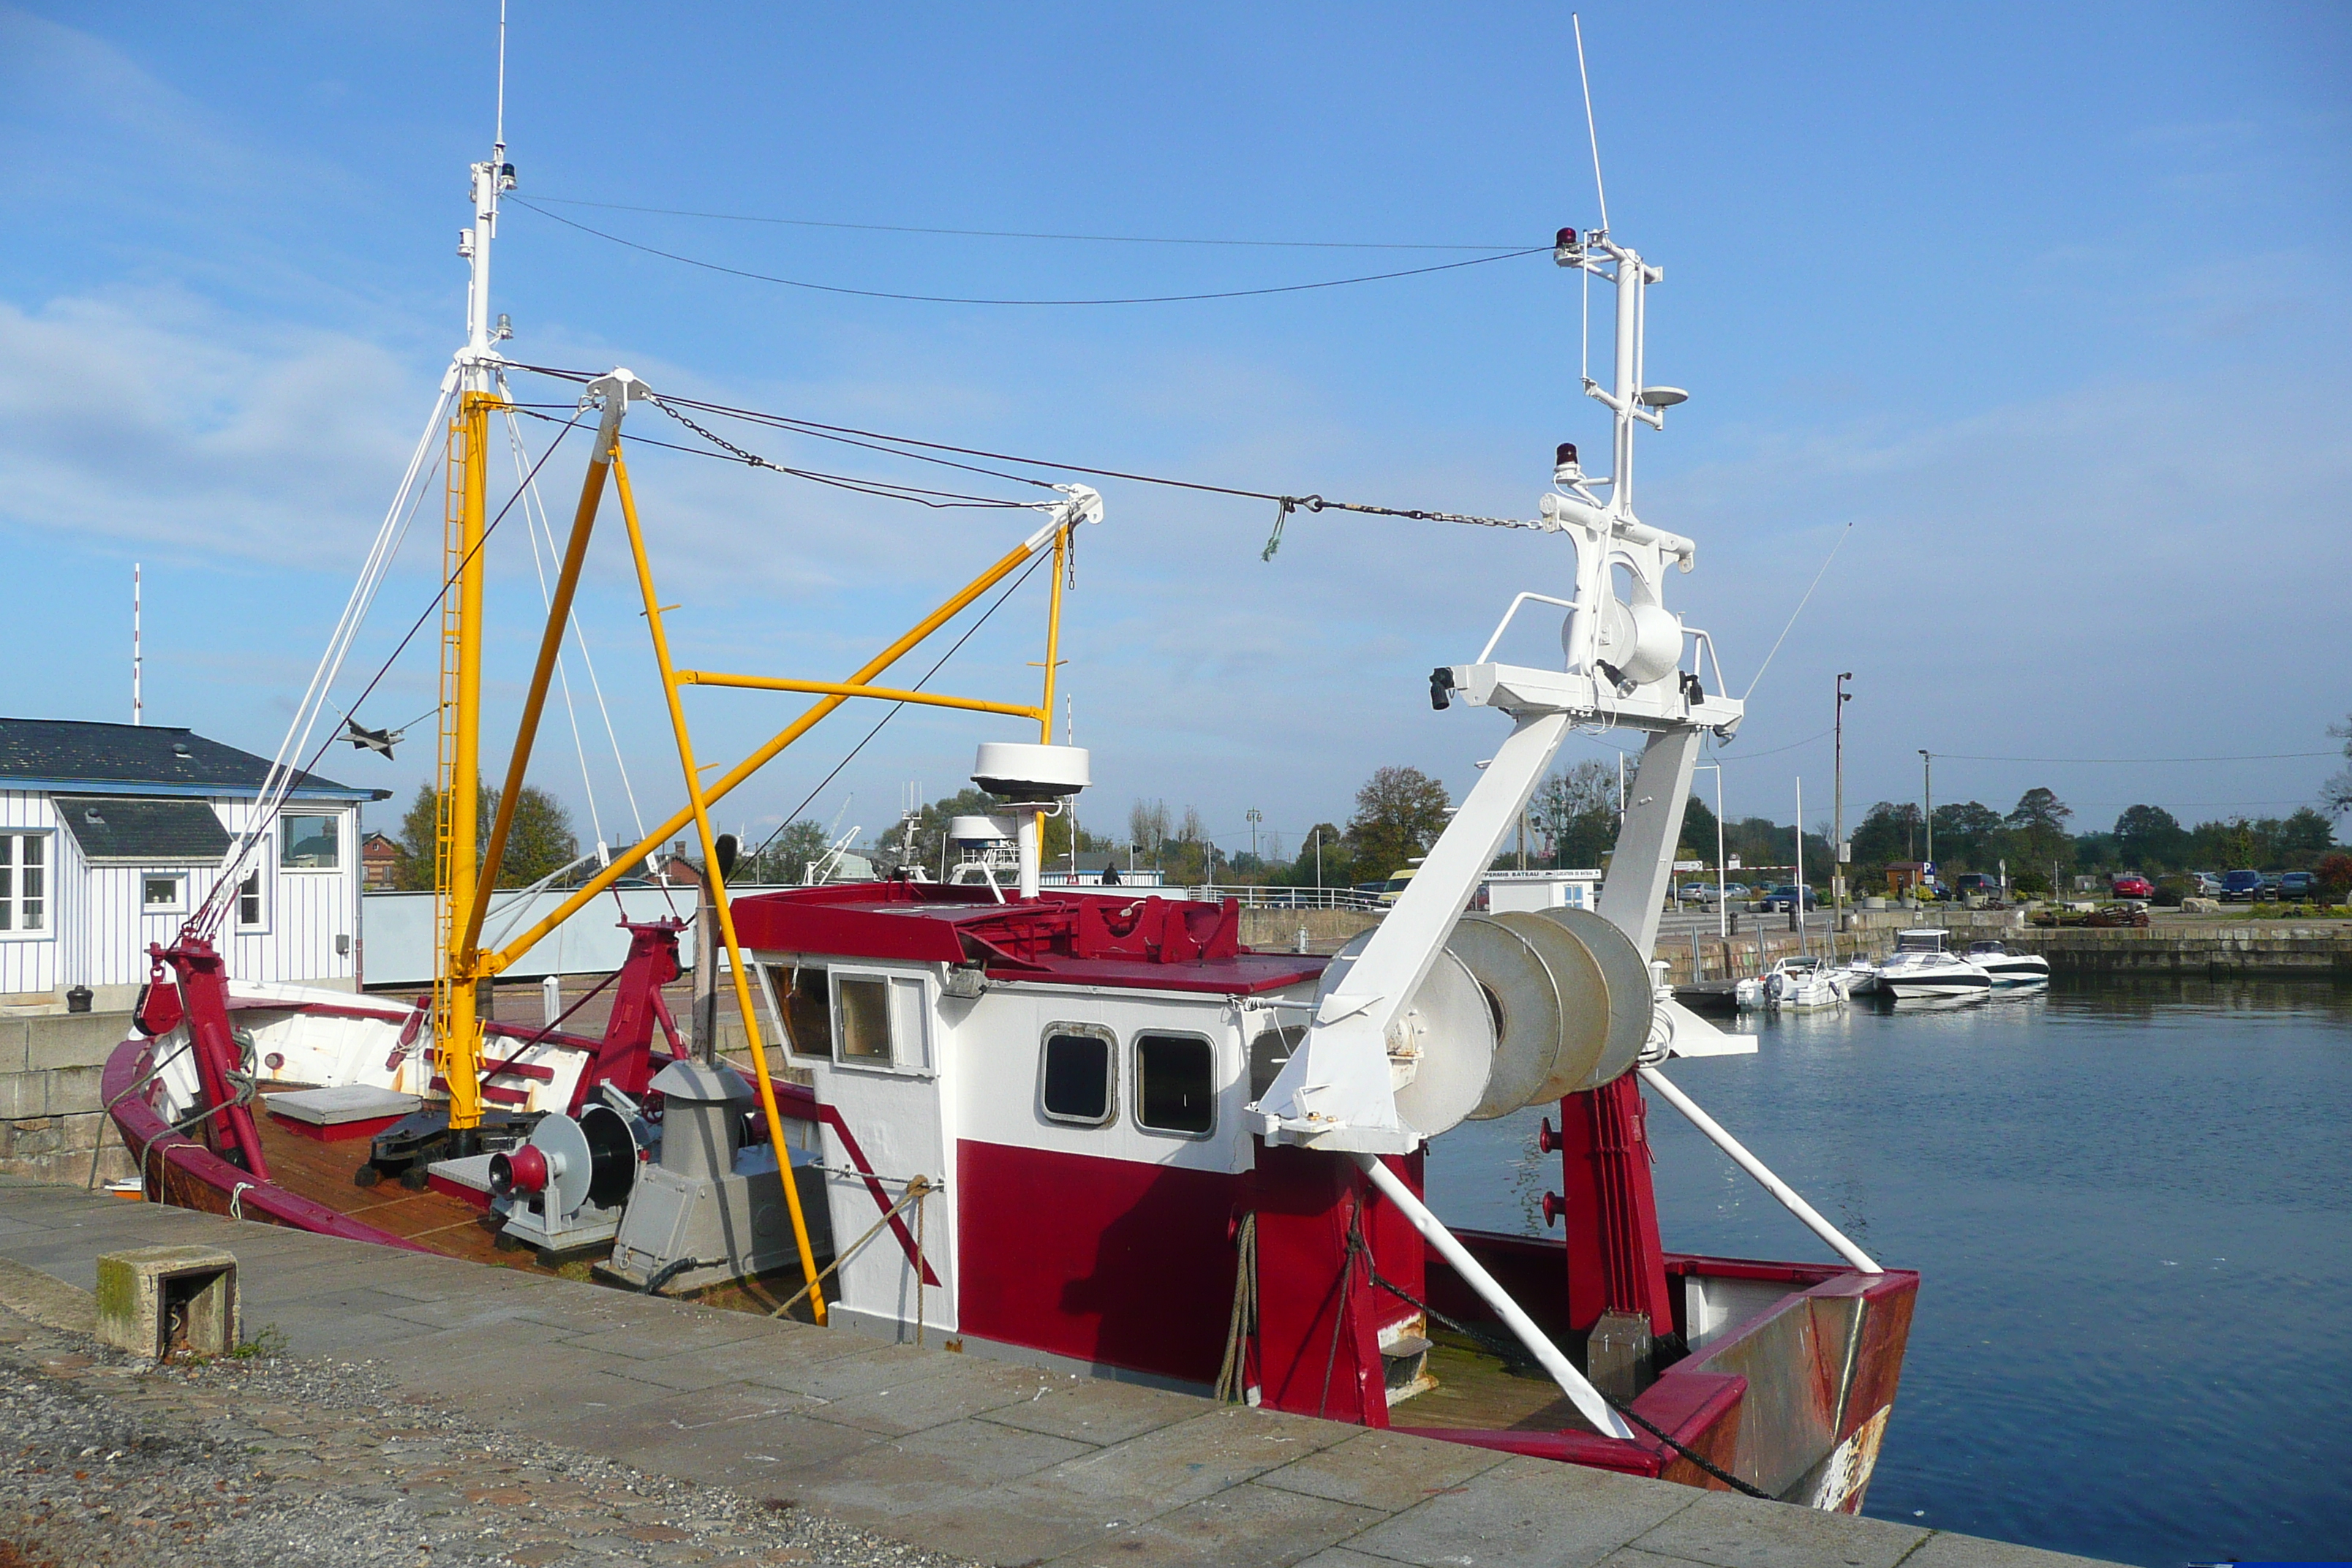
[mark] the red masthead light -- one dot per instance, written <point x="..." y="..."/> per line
<point x="1566" y="248"/>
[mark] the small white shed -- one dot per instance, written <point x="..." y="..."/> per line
<point x="111" y="833"/>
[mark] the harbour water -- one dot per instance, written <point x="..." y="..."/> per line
<point x="2131" y="1206"/>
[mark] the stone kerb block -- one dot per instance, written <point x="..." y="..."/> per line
<point x="163" y="1301"/>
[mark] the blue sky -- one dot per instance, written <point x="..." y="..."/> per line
<point x="2050" y="305"/>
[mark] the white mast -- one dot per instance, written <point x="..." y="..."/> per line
<point x="137" y="707"/>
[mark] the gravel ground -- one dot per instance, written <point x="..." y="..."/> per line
<point x="312" y="1464"/>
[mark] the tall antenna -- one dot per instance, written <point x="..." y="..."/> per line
<point x="1589" y="131"/>
<point x="137" y="706"/>
<point x="501" y="80"/>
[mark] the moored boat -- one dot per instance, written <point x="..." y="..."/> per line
<point x="1088" y="1129"/>
<point x="2008" y="969"/>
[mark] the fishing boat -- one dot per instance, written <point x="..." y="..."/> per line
<point x="2007" y="969"/>
<point x="1088" y="1129"/>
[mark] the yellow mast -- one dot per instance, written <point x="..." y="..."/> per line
<point x="457" y="1028"/>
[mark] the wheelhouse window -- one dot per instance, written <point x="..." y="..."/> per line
<point x="163" y="895"/>
<point x="24" y="884"/>
<point x="1268" y="1052"/>
<point x="1176" y="1084"/>
<point x="880" y="1021"/>
<point x="1075" y="1075"/>
<point x="307" y="842"/>
<point x="249" y="912"/>
<point x="798" y="992"/>
<point x="864" y="1034"/>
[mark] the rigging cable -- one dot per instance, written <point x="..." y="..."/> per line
<point x="961" y="300"/>
<point x="896" y="446"/>
<point x="1015" y="234"/>
<point x="279" y="780"/>
<point x="884" y="488"/>
<point x="534" y="518"/>
<point x="207" y="915"/>
<point x="1798" y="611"/>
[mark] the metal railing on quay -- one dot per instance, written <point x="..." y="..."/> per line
<point x="1260" y="897"/>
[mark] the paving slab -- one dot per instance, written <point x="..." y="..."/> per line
<point x="1246" y="1526"/>
<point x="1386" y="1470"/>
<point x="1527" y="1510"/>
<point x="1089" y="1411"/>
<point x="1725" y="1530"/>
<point x="883" y="1481"/>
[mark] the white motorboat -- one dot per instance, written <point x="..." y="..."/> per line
<point x="1799" y="985"/>
<point x="2009" y="969"/>
<point x="1920" y="968"/>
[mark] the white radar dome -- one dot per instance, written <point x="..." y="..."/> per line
<point x="1031" y="772"/>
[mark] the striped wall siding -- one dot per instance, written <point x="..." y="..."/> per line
<point x="100" y="930"/>
<point x="29" y="964"/>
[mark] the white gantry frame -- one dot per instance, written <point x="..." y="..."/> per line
<point x="1624" y="669"/>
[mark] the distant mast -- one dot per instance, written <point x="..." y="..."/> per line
<point x="137" y="707"/>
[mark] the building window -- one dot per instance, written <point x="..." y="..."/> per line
<point x="1075" y="1075"/>
<point x="307" y="842"/>
<point x="24" y="883"/>
<point x="163" y="895"/>
<point x="1176" y="1083"/>
<point x="249" y="902"/>
<point x="797" y="993"/>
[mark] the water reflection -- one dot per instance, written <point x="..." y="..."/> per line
<point x="2131" y="1204"/>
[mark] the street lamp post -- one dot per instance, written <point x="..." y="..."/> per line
<point x="1927" y="788"/>
<point x="1837" y="809"/>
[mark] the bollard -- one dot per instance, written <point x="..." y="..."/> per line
<point x="1302" y="939"/>
<point x="550" y="999"/>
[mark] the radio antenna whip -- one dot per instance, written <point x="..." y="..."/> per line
<point x="1589" y="131"/>
<point x="501" y="136"/>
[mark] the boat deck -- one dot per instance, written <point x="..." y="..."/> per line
<point x="322" y="1173"/>
<point x="1476" y="1392"/>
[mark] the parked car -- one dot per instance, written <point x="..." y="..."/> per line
<point x="1737" y="890"/>
<point x="2132" y="885"/>
<point x="2240" y="887"/>
<point x="2298" y="885"/>
<point x="1976" y="884"/>
<point x="1700" y="894"/>
<point x="2270" y="881"/>
<point x="1782" y="900"/>
<point x="2205" y="885"/>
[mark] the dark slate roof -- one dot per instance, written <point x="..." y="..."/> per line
<point x="125" y="827"/>
<point x="143" y="759"/>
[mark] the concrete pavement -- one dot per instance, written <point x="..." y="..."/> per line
<point x="984" y="1459"/>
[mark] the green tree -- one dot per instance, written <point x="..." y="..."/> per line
<point x="2147" y="838"/>
<point x="785" y="857"/>
<point x="1967" y="834"/>
<point x="539" y="842"/>
<point x="1699" y="831"/>
<point x="2335" y="794"/>
<point x="2302" y="838"/>
<point x="2037" y="830"/>
<point x="1338" y="863"/>
<point x="1576" y="810"/>
<point x="1888" y="832"/>
<point x="1400" y="812"/>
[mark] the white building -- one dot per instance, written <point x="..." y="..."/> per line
<point x="111" y="833"/>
